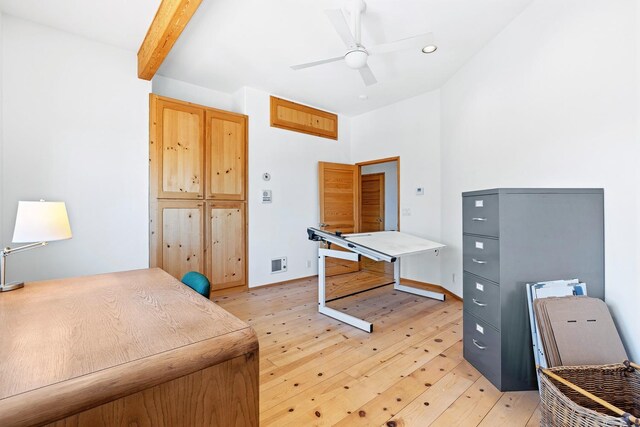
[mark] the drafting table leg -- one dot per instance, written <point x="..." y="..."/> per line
<point x="416" y="291"/>
<point x="328" y="311"/>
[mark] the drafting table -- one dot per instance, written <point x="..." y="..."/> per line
<point x="387" y="246"/>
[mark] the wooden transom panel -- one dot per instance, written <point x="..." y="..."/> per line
<point x="300" y="118"/>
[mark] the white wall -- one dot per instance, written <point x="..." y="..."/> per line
<point x="184" y="91"/>
<point x="2" y="180"/>
<point x="75" y="129"/>
<point x="279" y="228"/>
<point x="409" y="129"/>
<point x="390" y="171"/>
<point x="552" y="102"/>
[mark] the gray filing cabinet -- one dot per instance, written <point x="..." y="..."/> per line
<point x="516" y="236"/>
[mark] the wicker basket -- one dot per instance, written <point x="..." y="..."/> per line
<point x="618" y="385"/>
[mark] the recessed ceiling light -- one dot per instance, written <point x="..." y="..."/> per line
<point x="363" y="97"/>
<point x="430" y="48"/>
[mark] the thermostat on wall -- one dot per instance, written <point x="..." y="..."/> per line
<point x="266" y="196"/>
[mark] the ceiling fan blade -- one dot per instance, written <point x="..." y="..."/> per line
<point x="415" y="42"/>
<point x="313" y="64"/>
<point x="340" y="25"/>
<point x="367" y="75"/>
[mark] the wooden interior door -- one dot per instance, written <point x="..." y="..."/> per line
<point x="180" y="129"/>
<point x="226" y="155"/>
<point x="372" y="202"/>
<point x="181" y="237"/>
<point x="226" y="244"/>
<point x="338" y="191"/>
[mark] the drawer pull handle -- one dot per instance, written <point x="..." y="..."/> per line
<point x="481" y="347"/>
<point x="477" y="261"/>
<point x="479" y="304"/>
<point x="478" y="219"/>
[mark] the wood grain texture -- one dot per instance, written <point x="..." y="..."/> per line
<point x="87" y="341"/>
<point x="170" y="20"/>
<point x="154" y="260"/>
<point x="226" y="244"/>
<point x="226" y="162"/>
<point x="196" y="153"/>
<point x="175" y="402"/>
<point x="301" y="118"/>
<point x="339" y="208"/>
<point x="386" y="160"/>
<point x="180" y="129"/>
<point x="372" y="202"/>
<point x="181" y="236"/>
<point x="314" y="370"/>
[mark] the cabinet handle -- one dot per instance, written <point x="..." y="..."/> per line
<point x="479" y="304"/>
<point x="481" y="347"/>
<point x="322" y="224"/>
<point x="477" y="261"/>
<point x="478" y="219"/>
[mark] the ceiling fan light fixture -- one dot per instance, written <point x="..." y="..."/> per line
<point x="356" y="58"/>
<point x="430" y="48"/>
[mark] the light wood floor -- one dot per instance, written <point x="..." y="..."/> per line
<point x="408" y="372"/>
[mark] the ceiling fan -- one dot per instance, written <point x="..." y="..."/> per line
<point x="357" y="55"/>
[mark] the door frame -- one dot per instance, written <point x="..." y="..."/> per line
<point x="374" y="162"/>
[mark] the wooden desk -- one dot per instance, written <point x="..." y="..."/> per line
<point x="132" y="348"/>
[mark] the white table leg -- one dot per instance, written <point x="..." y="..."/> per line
<point x="416" y="291"/>
<point x="322" y="291"/>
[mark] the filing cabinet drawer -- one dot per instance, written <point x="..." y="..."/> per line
<point x="482" y="299"/>
<point x="480" y="215"/>
<point x="481" y="256"/>
<point x="482" y="347"/>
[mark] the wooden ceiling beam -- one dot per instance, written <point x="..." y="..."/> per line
<point x="170" y="20"/>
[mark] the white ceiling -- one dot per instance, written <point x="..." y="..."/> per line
<point x="121" y="23"/>
<point x="233" y="43"/>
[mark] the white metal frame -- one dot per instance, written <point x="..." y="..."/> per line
<point x="353" y="256"/>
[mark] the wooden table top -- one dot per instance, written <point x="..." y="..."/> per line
<point x="106" y="335"/>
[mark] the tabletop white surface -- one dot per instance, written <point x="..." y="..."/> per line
<point x="394" y="243"/>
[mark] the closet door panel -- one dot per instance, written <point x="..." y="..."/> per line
<point x="226" y="155"/>
<point x="181" y="237"/>
<point x="180" y="151"/>
<point x="226" y="244"/>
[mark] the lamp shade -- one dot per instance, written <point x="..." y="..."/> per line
<point x="41" y="222"/>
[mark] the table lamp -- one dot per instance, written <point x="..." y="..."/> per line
<point x="39" y="222"/>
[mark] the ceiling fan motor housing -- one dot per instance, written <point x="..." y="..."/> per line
<point x="356" y="58"/>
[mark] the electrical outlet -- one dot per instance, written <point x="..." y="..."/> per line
<point x="406" y="211"/>
<point x="308" y="263"/>
<point x="453" y="277"/>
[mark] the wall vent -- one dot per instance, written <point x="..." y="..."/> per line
<point x="279" y="265"/>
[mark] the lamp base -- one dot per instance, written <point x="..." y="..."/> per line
<point x="11" y="286"/>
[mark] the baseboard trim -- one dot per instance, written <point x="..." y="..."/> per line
<point x="432" y="287"/>
<point x="425" y="285"/>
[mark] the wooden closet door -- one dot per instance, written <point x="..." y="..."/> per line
<point x="226" y="151"/>
<point x="226" y="244"/>
<point x="180" y="130"/>
<point x="181" y="239"/>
